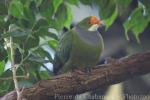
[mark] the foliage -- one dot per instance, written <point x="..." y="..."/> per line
<point x="29" y="21"/>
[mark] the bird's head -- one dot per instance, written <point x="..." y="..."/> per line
<point x="91" y="23"/>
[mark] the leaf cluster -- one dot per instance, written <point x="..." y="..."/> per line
<point x="34" y="24"/>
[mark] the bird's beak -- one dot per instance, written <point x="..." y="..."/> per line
<point x="101" y="23"/>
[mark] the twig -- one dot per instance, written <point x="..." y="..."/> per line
<point x="14" y="70"/>
<point x="10" y="78"/>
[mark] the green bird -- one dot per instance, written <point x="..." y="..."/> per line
<point x="79" y="48"/>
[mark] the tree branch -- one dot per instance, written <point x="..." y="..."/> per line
<point x="73" y="83"/>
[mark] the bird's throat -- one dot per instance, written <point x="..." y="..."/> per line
<point x="93" y="27"/>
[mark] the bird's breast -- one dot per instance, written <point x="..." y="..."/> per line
<point x="86" y="48"/>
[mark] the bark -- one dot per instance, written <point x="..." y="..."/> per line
<point x="73" y="83"/>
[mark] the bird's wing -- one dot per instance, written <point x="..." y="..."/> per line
<point x="63" y="51"/>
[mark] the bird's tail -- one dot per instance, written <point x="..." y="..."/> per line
<point x="56" y="65"/>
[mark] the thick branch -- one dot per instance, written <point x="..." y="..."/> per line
<point x="101" y="76"/>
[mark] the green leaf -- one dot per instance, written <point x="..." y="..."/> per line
<point x="56" y="4"/>
<point x="7" y="73"/>
<point x="2" y="67"/>
<point x="16" y="31"/>
<point x="59" y="18"/>
<point x="136" y="22"/>
<point x="3" y="9"/>
<point x="73" y="2"/>
<point x="6" y="85"/>
<point x="2" y="23"/>
<point x="3" y="54"/>
<point x="43" y="31"/>
<point x="123" y="6"/>
<point x="38" y="59"/>
<point x="38" y="2"/>
<point x="32" y="41"/>
<point x="32" y="68"/>
<point x="123" y="2"/>
<point x="41" y="27"/>
<point x="68" y="18"/>
<point x="17" y="55"/>
<point x="43" y="53"/>
<point x="109" y="21"/>
<point x="30" y="10"/>
<point x="40" y="23"/>
<point x="46" y="8"/>
<point x="107" y="8"/>
<point x="53" y="36"/>
<point x="53" y="44"/>
<point x="16" y="9"/>
<point x="25" y="23"/>
<point x="1" y="20"/>
<point x="86" y="2"/>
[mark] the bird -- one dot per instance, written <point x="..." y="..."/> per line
<point x="80" y="47"/>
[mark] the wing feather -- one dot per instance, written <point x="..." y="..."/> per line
<point x="63" y="51"/>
